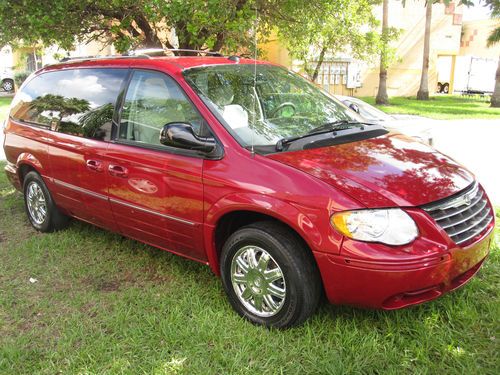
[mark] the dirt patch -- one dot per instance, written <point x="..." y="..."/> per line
<point x="108" y="286"/>
<point x="151" y="274"/>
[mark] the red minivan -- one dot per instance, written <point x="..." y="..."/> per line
<point x="283" y="191"/>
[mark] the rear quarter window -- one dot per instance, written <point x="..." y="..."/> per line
<point x="75" y="101"/>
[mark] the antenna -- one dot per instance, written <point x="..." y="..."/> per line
<point x="254" y="78"/>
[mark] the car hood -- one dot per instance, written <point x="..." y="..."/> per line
<point x="391" y="170"/>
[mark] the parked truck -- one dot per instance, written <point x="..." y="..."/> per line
<point x="472" y="75"/>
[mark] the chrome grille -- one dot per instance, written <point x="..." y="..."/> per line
<point x="463" y="216"/>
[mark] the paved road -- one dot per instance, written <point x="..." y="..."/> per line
<point x="473" y="143"/>
<point x="476" y="145"/>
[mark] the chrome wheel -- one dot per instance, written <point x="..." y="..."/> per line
<point x="258" y="281"/>
<point x="35" y="200"/>
<point x="8" y="85"/>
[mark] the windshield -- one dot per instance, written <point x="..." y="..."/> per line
<point x="260" y="109"/>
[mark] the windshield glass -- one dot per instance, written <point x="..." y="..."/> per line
<point x="260" y="109"/>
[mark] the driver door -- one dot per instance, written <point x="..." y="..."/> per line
<point x="156" y="192"/>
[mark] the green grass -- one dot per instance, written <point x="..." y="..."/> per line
<point x="107" y="305"/>
<point x="449" y="107"/>
<point x="4" y="108"/>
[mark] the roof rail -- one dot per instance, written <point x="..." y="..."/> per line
<point x="101" y="57"/>
<point x="164" y="51"/>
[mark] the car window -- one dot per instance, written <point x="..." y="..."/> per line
<point x="153" y="100"/>
<point x="75" y="101"/>
<point x="259" y="105"/>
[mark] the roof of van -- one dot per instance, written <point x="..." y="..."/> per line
<point x="168" y="63"/>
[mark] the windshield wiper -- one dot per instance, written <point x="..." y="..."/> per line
<point x="337" y="125"/>
<point x="326" y="128"/>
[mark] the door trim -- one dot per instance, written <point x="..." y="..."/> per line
<point x="118" y="201"/>
<point x="133" y="206"/>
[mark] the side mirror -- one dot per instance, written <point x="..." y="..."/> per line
<point x="181" y="135"/>
<point x="354" y="107"/>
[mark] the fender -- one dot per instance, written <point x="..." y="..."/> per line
<point x="267" y="205"/>
<point x="26" y="158"/>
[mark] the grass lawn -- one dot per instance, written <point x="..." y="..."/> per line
<point x="4" y="107"/>
<point x="103" y="304"/>
<point x="445" y="107"/>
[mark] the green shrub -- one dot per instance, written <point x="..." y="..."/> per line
<point x="20" y="77"/>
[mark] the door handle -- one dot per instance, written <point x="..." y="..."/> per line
<point x="117" y="170"/>
<point x="94" y="165"/>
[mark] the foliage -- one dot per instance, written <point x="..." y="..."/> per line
<point x="330" y="28"/>
<point x="191" y="24"/>
<point x="20" y="77"/>
<point x="494" y="5"/>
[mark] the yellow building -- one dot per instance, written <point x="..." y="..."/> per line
<point x="474" y="39"/>
<point x="446" y="43"/>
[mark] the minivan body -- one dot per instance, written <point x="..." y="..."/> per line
<point x="207" y="157"/>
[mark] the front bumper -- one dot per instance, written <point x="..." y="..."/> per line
<point x="396" y="284"/>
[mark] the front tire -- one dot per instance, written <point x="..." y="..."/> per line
<point x="269" y="275"/>
<point x="42" y="213"/>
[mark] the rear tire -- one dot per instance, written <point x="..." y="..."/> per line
<point x="270" y="276"/>
<point x="42" y="213"/>
<point x="446" y="88"/>
<point x="8" y="85"/>
<point x="439" y="88"/>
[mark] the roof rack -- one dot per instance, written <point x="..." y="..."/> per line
<point x="142" y="54"/>
<point x="101" y="57"/>
<point x="164" y="51"/>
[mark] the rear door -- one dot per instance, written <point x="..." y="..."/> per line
<point x="156" y="192"/>
<point x="77" y="106"/>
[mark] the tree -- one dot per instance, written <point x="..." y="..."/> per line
<point x="494" y="38"/>
<point x="382" y="97"/>
<point x="423" y="91"/>
<point x="328" y="27"/>
<point x="128" y="24"/>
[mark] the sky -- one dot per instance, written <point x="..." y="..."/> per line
<point x="476" y="12"/>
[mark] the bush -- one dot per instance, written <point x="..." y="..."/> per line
<point x="20" y="77"/>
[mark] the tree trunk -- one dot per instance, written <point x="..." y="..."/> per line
<point x="382" y="97"/>
<point x="318" y="65"/>
<point x="495" y="98"/>
<point x="423" y="91"/>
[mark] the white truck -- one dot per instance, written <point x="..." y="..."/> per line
<point x="473" y="75"/>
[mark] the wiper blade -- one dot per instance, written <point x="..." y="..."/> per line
<point x="326" y="128"/>
<point x="337" y="125"/>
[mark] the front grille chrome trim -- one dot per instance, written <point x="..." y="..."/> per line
<point x="462" y="216"/>
<point x="459" y="210"/>
<point x="483" y="204"/>
<point x="476" y="232"/>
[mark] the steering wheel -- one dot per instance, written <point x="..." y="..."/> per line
<point x="281" y="106"/>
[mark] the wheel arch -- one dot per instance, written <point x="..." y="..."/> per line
<point x="232" y="213"/>
<point x="26" y="163"/>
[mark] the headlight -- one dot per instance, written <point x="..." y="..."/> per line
<point x="389" y="226"/>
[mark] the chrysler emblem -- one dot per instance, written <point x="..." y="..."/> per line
<point x="467" y="200"/>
